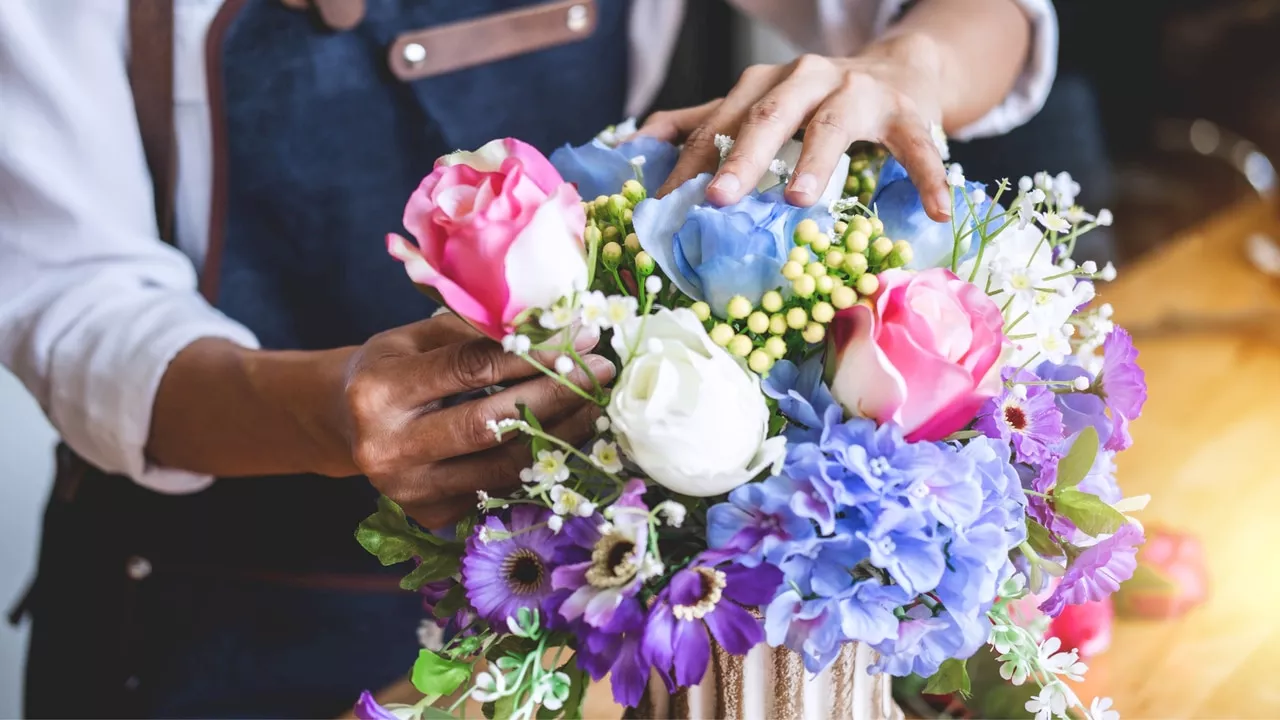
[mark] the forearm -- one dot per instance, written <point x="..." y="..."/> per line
<point x="226" y="411"/>
<point x="974" y="51"/>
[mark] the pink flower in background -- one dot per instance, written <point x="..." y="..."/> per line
<point x="498" y="232"/>
<point x="1085" y="628"/>
<point x="1171" y="579"/>
<point x="926" y="356"/>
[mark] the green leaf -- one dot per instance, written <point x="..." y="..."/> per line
<point x="505" y="707"/>
<point x="578" y="684"/>
<point x="488" y="709"/>
<point x="453" y="601"/>
<point x="1041" y="541"/>
<point x="537" y="444"/>
<point x="464" y="527"/>
<point x="388" y="535"/>
<point x="1088" y="512"/>
<point x="437" y="565"/>
<point x="434" y="675"/>
<point x="952" y="677"/>
<point x="1076" y="463"/>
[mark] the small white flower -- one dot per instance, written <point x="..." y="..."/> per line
<point x="1015" y="667"/>
<point x="602" y="424"/>
<point x="653" y="284"/>
<point x="517" y="344"/>
<point x="557" y="316"/>
<point x="1081" y="383"/>
<point x="620" y="308"/>
<point x="1108" y="272"/>
<point x="1076" y="215"/>
<point x="1026" y="204"/>
<point x="1105" y="311"/>
<point x="1044" y="181"/>
<point x="555" y="523"/>
<point x="551" y="468"/>
<point x="955" y="175"/>
<point x="1005" y="638"/>
<point x="489" y="686"/>
<point x="569" y="502"/>
<point x="1065" y="190"/>
<point x="940" y="141"/>
<point x="779" y="167"/>
<point x="978" y="196"/>
<point x="482" y="499"/>
<point x="1054" y="345"/>
<point x="1020" y="391"/>
<point x="1051" y="702"/>
<point x="1088" y="266"/>
<point x="637" y="162"/>
<point x="1061" y="663"/>
<point x="605" y="456"/>
<point x="483" y="535"/>
<point x="1100" y="709"/>
<point x="564" y="365"/>
<point x="673" y="511"/>
<point x="1054" y="222"/>
<point x="1024" y="184"/>
<point x="1069" y="330"/>
<point x="650" y="567"/>
<point x="494" y="428"/>
<point x="1105" y="217"/>
<point x="724" y="144"/>
<point x="594" y="311"/>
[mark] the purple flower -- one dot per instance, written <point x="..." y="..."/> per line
<point x="809" y="627"/>
<point x="1098" y="571"/>
<point x="1124" y="386"/>
<point x="706" y="598"/>
<point x="802" y="398"/>
<point x="368" y="709"/>
<point x="1079" y="409"/>
<point x="757" y="524"/>
<point x="923" y="642"/>
<point x="903" y="544"/>
<point x="599" y="584"/>
<point x="617" y="650"/>
<point x="1032" y="424"/>
<point x="866" y="611"/>
<point x="512" y="569"/>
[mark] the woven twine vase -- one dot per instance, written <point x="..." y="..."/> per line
<point x="772" y="684"/>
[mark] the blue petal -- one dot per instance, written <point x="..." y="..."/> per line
<point x="658" y="220"/>
<point x="595" y="168"/>
<point x="659" y="159"/>
<point x="898" y="205"/>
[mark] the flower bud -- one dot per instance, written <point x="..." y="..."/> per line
<point x="861" y="224"/>
<point x="880" y="249"/>
<point x="852" y="184"/>
<point x="759" y="361"/>
<point x="903" y="251"/>
<point x="592" y="235"/>
<point x="772" y="301"/>
<point x="631" y="243"/>
<point x="804" y="286"/>
<point x="855" y="264"/>
<point x="777" y="324"/>
<point x="823" y="312"/>
<point x="843" y="297"/>
<point x="799" y="255"/>
<point x="877" y="227"/>
<point x="841" y="226"/>
<point x="834" y="259"/>
<point x="807" y="231"/>
<point x="617" y="203"/>
<point x="721" y="334"/>
<point x="738" y="308"/>
<point x="776" y="347"/>
<point x="821" y="244"/>
<point x="564" y="364"/>
<point x="610" y="232"/>
<point x="857" y="241"/>
<point x="644" y="263"/>
<point x="825" y="284"/>
<point x="627" y="216"/>
<point x="868" y="284"/>
<point x="601" y="202"/>
<point x="814" y="333"/>
<point x="611" y="255"/>
<point x="740" y="346"/>
<point x="702" y="310"/>
<point x="797" y="318"/>
<point x="653" y="285"/>
<point x="758" y="323"/>
<point x="633" y="191"/>
<point x="792" y="270"/>
<point x="816" y="269"/>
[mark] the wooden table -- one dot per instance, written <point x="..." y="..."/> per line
<point x="1207" y="448"/>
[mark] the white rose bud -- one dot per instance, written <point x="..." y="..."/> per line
<point x="685" y="410"/>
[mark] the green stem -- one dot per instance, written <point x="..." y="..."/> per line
<point x="564" y="381"/>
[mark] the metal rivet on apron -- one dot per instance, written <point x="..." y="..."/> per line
<point x="577" y="18"/>
<point x="414" y="53"/>
<point x="138" y="568"/>
<point x="132" y="683"/>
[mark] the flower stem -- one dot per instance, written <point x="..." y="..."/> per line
<point x="564" y="381"/>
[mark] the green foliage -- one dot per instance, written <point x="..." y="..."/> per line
<point x="435" y="675"/>
<point x="388" y="535"/>
<point x="1089" y="512"/>
<point x="537" y="444"/>
<point x="1041" y="541"/>
<point x="1076" y="463"/>
<point x="952" y="677"/>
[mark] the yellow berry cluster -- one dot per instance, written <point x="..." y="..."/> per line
<point x="824" y="274"/>
<point x="611" y="234"/>
<point x="862" y="180"/>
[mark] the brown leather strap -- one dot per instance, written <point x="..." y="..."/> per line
<point x="445" y="48"/>
<point x="151" y="77"/>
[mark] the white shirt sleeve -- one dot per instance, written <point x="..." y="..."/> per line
<point x="843" y="27"/>
<point x="93" y="306"/>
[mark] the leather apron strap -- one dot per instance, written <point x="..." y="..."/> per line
<point x="151" y="78"/>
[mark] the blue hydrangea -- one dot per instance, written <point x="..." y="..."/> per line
<point x="599" y="169"/>
<point x="898" y="205"/>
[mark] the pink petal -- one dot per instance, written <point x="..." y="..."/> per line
<point x="865" y="382"/>
<point x="535" y="165"/>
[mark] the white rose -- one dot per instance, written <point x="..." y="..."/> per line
<point x="684" y="410"/>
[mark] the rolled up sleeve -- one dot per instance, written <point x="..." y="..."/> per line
<point x="93" y="306"/>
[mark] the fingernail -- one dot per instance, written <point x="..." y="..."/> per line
<point x="600" y="366"/>
<point x="726" y="183"/>
<point x="587" y="338"/>
<point x="943" y="200"/>
<point x="805" y="184"/>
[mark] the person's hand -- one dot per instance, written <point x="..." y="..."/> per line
<point x="888" y="95"/>
<point x="431" y="457"/>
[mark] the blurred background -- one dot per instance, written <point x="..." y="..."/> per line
<point x="1164" y="110"/>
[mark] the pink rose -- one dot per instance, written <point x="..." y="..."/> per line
<point x="925" y="353"/>
<point x="499" y="232"/>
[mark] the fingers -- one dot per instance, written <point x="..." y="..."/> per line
<point x="911" y="143"/>
<point x="675" y="125"/>
<point x="466" y="428"/>
<point x="835" y="125"/>
<point x="768" y="125"/>
<point x="700" y="153"/>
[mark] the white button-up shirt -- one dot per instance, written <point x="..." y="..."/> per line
<point x="93" y="306"/>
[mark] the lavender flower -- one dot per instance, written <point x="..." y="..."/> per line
<point x="597" y="586"/>
<point x="1124" y="386"/>
<point x="803" y="399"/>
<point x="512" y="569"/>
<point x="1079" y="409"/>
<point x="1031" y="423"/>
<point x="1098" y="571"/>
<point x="757" y="524"/>
<point x="923" y="642"/>
<point x="809" y="627"/>
<point x="704" y="598"/>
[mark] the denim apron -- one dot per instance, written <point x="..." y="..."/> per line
<point x="251" y="598"/>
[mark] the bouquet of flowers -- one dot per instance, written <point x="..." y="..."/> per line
<point x="840" y="424"/>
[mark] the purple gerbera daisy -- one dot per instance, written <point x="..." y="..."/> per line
<point x="1098" y="571"/>
<point x="702" y="598"/>
<point x="616" y="568"/>
<point x="1032" y="423"/>
<point x="1124" y="386"/>
<point x="508" y="567"/>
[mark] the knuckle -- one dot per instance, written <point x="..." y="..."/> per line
<point x="766" y="111"/>
<point x="474" y="365"/>
<point x="370" y="457"/>
<point x="756" y="72"/>
<point x="701" y="140"/>
<point x="473" y="426"/>
<point x="828" y="120"/>
<point x="811" y="63"/>
<point x="365" y="396"/>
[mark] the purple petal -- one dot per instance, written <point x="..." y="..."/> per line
<point x="751" y="586"/>
<point x="1098" y="571"/>
<point x="685" y="588"/>
<point x="734" y="628"/>
<point x="630" y="674"/>
<point x="600" y="608"/>
<point x="368" y="709"/>
<point x="692" y="652"/>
